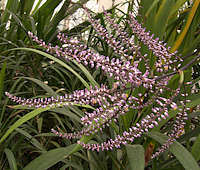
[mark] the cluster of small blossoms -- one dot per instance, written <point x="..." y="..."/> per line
<point x="121" y="43"/>
<point x="147" y="123"/>
<point x="86" y="97"/>
<point x="177" y="131"/>
<point x="111" y="103"/>
<point x="123" y="71"/>
<point x="159" y="49"/>
<point x="178" y="126"/>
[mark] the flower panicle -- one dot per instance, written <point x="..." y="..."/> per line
<point x="159" y="49"/>
<point x="82" y="97"/>
<point x="124" y="68"/>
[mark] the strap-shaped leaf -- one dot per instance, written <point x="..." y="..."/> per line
<point x="196" y="149"/>
<point x="53" y="156"/>
<point x="186" y="28"/>
<point x="23" y="120"/>
<point x="49" y="158"/>
<point x="2" y="77"/>
<point x="11" y="159"/>
<point x="136" y="157"/>
<point x="58" y="61"/>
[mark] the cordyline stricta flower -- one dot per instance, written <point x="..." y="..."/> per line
<point x="111" y="103"/>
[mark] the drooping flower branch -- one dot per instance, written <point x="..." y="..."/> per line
<point x="111" y="103"/>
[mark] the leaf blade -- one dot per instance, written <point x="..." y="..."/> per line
<point x="196" y="149"/>
<point x="23" y="120"/>
<point x="11" y="159"/>
<point x="49" y="158"/>
<point x="136" y="157"/>
<point x="58" y="61"/>
<point x="186" y="28"/>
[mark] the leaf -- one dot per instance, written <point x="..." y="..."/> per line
<point x="87" y="74"/>
<point x="41" y="84"/>
<point x="34" y="141"/>
<point x="11" y="159"/>
<point x="177" y="6"/>
<point x="22" y="120"/>
<point x="47" y="8"/>
<point x="59" y="16"/>
<point x="58" y="61"/>
<point x="6" y="100"/>
<point x="162" y="16"/>
<point x="17" y="20"/>
<point x="2" y="76"/>
<point x="186" y="28"/>
<point x="72" y="164"/>
<point x="36" y="7"/>
<point x="135" y="155"/>
<point x="67" y="112"/>
<point x="30" y="115"/>
<point x="181" y="153"/>
<point x="27" y="5"/>
<point x="49" y="158"/>
<point x="11" y="6"/>
<point x="151" y="7"/>
<point x="196" y="149"/>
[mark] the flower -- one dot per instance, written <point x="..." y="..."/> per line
<point x="124" y="68"/>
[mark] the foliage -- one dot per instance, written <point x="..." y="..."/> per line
<point x="177" y="27"/>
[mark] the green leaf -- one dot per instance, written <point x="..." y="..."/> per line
<point x="71" y="164"/>
<point x="6" y="100"/>
<point x="2" y="76"/>
<point x="187" y="26"/>
<point x="196" y="149"/>
<point x="27" y="5"/>
<point x="48" y="7"/>
<point x="67" y="112"/>
<point x="155" y="2"/>
<point x="87" y="74"/>
<point x="11" y="159"/>
<point x="162" y="16"/>
<point x="177" y="6"/>
<point x="44" y="86"/>
<point x="59" y="16"/>
<point x="56" y="60"/>
<point x="50" y="158"/>
<point x="34" y="141"/>
<point x="11" y="6"/>
<point x="17" y="20"/>
<point x="22" y="120"/>
<point x="181" y="153"/>
<point x="135" y="155"/>
<point x="36" y="7"/>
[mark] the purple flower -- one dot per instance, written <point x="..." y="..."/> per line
<point x="124" y="68"/>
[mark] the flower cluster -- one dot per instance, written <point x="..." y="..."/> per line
<point x="111" y="103"/>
